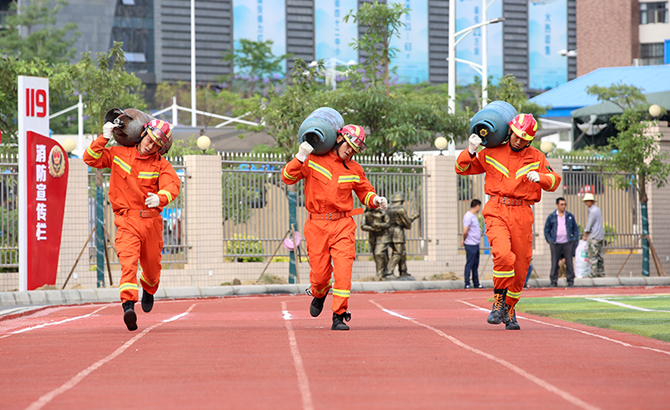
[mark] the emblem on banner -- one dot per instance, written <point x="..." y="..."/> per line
<point x="56" y="162"/>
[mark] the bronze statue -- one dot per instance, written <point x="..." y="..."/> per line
<point x="399" y="222"/>
<point x="376" y="223"/>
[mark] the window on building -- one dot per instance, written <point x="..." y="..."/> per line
<point x="651" y="53"/>
<point x="656" y="12"/>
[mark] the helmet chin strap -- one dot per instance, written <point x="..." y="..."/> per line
<point x="336" y="148"/>
<point x="520" y="149"/>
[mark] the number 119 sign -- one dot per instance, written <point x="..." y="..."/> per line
<point x="43" y="172"/>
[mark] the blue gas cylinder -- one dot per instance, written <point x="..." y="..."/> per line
<point x="320" y="129"/>
<point x="491" y="123"/>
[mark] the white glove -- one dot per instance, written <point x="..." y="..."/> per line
<point x="107" y="129"/>
<point x="381" y="202"/>
<point x="303" y="151"/>
<point x="473" y="143"/>
<point x="152" y="200"/>
<point x="533" y="176"/>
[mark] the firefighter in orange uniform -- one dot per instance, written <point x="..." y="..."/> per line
<point x="142" y="182"/>
<point x="516" y="174"/>
<point x="329" y="231"/>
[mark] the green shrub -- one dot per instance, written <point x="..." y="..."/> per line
<point x="244" y="245"/>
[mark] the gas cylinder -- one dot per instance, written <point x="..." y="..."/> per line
<point x="320" y="129"/>
<point x="491" y="123"/>
<point x="130" y="125"/>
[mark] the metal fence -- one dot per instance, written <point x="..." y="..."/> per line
<point x="175" y="248"/>
<point x="620" y="207"/>
<point x="256" y="212"/>
<point x="9" y="215"/>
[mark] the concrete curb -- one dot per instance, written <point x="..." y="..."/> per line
<point x="79" y="296"/>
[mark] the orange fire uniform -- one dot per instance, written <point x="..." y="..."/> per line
<point x="329" y="231"/>
<point x="508" y="215"/>
<point x="139" y="229"/>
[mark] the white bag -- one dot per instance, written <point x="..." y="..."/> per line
<point x="582" y="264"/>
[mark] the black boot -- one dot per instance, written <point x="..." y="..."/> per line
<point x="147" y="301"/>
<point x="129" y="315"/>
<point x="338" y="321"/>
<point x="499" y="310"/>
<point x="511" y="324"/>
<point x="317" y="306"/>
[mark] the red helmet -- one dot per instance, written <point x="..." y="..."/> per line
<point x="355" y="136"/>
<point x="524" y="126"/>
<point x="160" y="133"/>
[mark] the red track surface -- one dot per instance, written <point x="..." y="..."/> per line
<point x="243" y="353"/>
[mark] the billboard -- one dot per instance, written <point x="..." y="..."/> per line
<point x="261" y="20"/>
<point x="412" y="58"/>
<point x="548" y="35"/>
<point x="332" y="36"/>
<point x="468" y="14"/>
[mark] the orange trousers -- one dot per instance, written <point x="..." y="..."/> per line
<point x="510" y="231"/>
<point x="138" y="239"/>
<point x="331" y="250"/>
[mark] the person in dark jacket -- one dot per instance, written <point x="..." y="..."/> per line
<point x="562" y="233"/>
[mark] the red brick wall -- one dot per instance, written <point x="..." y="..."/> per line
<point x="607" y="34"/>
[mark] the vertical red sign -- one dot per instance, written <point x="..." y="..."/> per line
<point x="47" y="174"/>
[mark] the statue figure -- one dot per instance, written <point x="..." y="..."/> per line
<point x="376" y="224"/>
<point x="399" y="222"/>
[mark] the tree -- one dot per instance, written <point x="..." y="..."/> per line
<point x="383" y="23"/>
<point x="637" y="151"/>
<point x="256" y="64"/>
<point x="41" y="39"/>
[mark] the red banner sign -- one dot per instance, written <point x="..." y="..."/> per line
<point x="46" y="174"/>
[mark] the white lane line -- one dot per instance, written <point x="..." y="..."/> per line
<point x="27" y="329"/>
<point x="544" y="384"/>
<point x="44" y="400"/>
<point x="303" y="382"/>
<point x="611" y="302"/>
<point x="579" y="331"/>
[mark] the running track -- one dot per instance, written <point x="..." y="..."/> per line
<point x="406" y="350"/>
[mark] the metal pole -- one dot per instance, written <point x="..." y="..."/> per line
<point x="451" y="79"/>
<point x="175" y="114"/>
<point x="99" y="227"/>
<point x="80" y="125"/>
<point x="485" y="80"/>
<point x="193" y="91"/>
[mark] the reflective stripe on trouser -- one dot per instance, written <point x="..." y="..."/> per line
<point x="510" y="231"/>
<point x="331" y="250"/>
<point x="138" y="239"/>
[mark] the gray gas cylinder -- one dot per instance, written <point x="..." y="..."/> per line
<point x="130" y="125"/>
<point x="320" y="129"/>
<point x="491" y="123"/>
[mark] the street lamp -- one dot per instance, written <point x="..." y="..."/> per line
<point x="203" y="143"/>
<point x="441" y="143"/>
<point x="453" y="41"/>
<point x="655" y="110"/>
<point x="69" y="145"/>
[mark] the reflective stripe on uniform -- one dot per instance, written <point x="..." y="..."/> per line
<point x="462" y="169"/>
<point x="503" y="274"/>
<point x="526" y="169"/>
<point x="145" y="281"/>
<point x="288" y="176"/>
<point x="318" y="168"/>
<point x="348" y="178"/>
<point x="167" y="194"/>
<point x="515" y="295"/>
<point x="341" y="293"/>
<point x="122" y="164"/>
<point x="497" y="165"/>
<point x="128" y="286"/>
<point x="553" y="180"/>
<point x="92" y="153"/>
<point x="368" y="196"/>
<point x="148" y="175"/>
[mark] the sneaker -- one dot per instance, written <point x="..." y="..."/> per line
<point x="467" y="286"/>
<point x="499" y="310"/>
<point x="316" y="306"/>
<point x="570" y="284"/>
<point x="129" y="315"/>
<point x="338" y="321"/>
<point x="511" y="323"/>
<point x="553" y="285"/>
<point x="478" y="286"/>
<point x="147" y="301"/>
